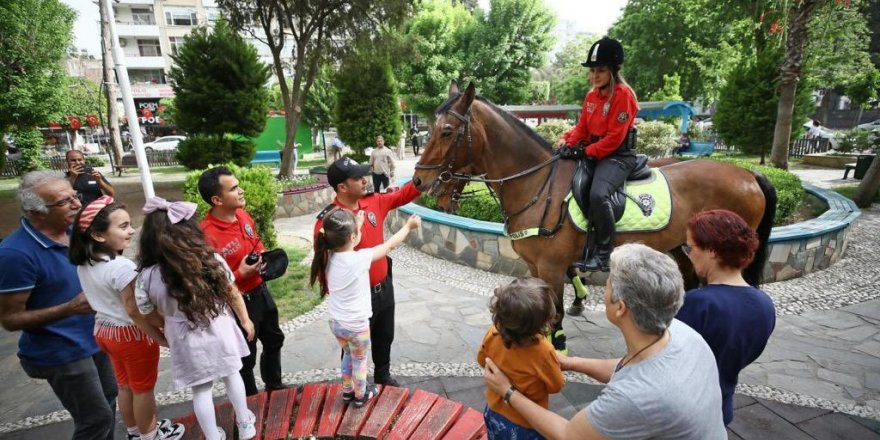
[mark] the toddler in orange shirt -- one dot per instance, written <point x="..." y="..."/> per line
<point x="521" y="311"/>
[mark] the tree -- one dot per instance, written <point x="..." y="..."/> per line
<point x="435" y="38"/>
<point x="747" y="105"/>
<point x="506" y="43"/>
<point x="366" y="104"/>
<point x="790" y="74"/>
<point x="320" y="102"/>
<point x="866" y="190"/>
<point x="35" y="37"/>
<point x="569" y="83"/>
<point x="314" y="32"/>
<point x="81" y="99"/>
<point x="219" y="84"/>
<point x="670" y="91"/>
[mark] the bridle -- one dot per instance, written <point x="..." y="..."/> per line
<point x="448" y="173"/>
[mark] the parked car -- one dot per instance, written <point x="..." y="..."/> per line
<point x="164" y="143"/>
<point x="873" y="125"/>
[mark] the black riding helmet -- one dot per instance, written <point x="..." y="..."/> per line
<point x="605" y="52"/>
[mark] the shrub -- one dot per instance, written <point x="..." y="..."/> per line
<point x="856" y="139"/>
<point x="3" y="148"/>
<point x="656" y="139"/>
<point x="261" y="192"/>
<point x="698" y="134"/>
<point x="296" y="181"/>
<point x="95" y="161"/>
<point x="196" y="152"/>
<point x="29" y="142"/>
<point x="789" y="191"/>
<point x="480" y="206"/>
<point x="552" y="131"/>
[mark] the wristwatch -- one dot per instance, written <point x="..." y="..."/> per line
<point x="509" y="394"/>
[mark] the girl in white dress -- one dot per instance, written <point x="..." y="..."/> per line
<point x="192" y="288"/>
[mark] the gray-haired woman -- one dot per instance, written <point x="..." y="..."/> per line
<point x="665" y="386"/>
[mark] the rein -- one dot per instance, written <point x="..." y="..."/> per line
<point x="448" y="174"/>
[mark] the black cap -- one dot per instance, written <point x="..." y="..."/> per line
<point x="605" y="52"/>
<point x="343" y="169"/>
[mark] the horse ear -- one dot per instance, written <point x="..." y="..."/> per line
<point x="469" y="95"/>
<point x="453" y="88"/>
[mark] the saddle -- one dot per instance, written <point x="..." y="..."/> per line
<point x="583" y="174"/>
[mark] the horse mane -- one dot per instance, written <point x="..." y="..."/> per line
<point x="520" y="126"/>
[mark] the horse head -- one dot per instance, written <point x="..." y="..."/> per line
<point x="454" y="145"/>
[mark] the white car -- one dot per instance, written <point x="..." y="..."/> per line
<point x="164" y="143"/>
<point x="873" y="126"/>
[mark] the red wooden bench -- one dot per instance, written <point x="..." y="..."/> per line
<point x="317" y="411"/>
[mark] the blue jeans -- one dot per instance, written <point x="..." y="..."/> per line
<point x="499" y="427"/>
<point x="87" y="390"/>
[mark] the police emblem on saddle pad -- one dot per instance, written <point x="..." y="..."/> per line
<point x="648" y="206"/>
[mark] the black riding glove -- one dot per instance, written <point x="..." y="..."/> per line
<point x="575" y="152"/>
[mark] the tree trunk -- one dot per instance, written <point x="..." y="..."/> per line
<point x="782" y="132"/>
<point x="790" y="73"/>
<point x="870" y="185"/>
<point x="110" y="91"/>
<point x="825" y="106"/>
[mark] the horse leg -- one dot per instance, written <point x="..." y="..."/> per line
<point x="550" y="273"/>
<point x="688" y="274"/>
<point x="580" y="292"/>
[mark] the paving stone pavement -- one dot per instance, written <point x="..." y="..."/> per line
<point x="818" y="378"/>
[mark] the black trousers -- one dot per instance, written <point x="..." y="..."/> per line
<point x="380" y="179"/>
<point x="382" y="327"/>
<point x="264" y="314"/>
<point x="609" y="175"/>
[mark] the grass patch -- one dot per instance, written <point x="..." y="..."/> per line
<point x="169" y="170"/>
<point x="849" y="191"/>
<point x="8" y="193"/>
<point x="305" y="164"/>
<point x="292" y="292"/>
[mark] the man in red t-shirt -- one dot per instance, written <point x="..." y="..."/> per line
<point x="232" y="232"/>
<point x="349" y="181"/>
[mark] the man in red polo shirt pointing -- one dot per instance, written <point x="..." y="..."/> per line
<point x="233" y="234"/>
<point x="349" y="181"/>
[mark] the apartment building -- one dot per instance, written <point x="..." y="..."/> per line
<point x="150" y="31"/>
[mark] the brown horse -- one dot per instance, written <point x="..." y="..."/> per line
<point x="471" y="136"/>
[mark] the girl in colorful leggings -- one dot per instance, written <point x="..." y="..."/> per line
<point x="344" y="274"/>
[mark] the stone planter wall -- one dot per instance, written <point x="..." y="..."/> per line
<point x="795" y="250"/>
<point x="828" y="161"/>
<point x="305" y="200"/>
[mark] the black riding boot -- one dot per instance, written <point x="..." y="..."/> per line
<point x="603" y="219"/>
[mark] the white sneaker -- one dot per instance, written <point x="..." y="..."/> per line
<point x="171" y="432"/>
<point x="246" y="428"/>
<point x="222" y="433"/>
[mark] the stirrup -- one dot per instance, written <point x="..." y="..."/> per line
<point x="594" y="264"/>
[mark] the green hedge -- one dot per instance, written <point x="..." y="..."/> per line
<point x="480" y="206"/>
<point x="789" y="191"/>
<point x="95" y="161"/>
<point x="198" y="151"/>
<point x="260" y="191"/>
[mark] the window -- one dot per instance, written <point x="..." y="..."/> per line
<point x="153" y="76"/>
<point x="180" y="17"/>
<point x="176" y="44"/>
<point x="149" y="48"/>
<point x="142" y="16"/>
<point x="213" y="14"/>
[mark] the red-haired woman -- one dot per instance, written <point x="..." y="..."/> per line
<point x="734" y="318"/>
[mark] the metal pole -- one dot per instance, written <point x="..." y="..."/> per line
<point x="134" y="129"/>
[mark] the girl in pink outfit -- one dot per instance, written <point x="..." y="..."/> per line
<point x="193" y="289"/>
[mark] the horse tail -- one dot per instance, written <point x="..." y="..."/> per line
<point x="753" y="273"/>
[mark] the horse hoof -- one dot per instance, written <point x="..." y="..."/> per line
<point x="576" y="309"/>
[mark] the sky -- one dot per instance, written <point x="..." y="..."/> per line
<point x="594" y="17"/>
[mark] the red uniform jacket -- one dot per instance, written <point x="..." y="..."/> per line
<point x="612" y="127"/>
<point x="234" y="241"/>
<point x="376" y="207"/>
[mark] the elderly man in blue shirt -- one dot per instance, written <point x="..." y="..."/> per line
<point x="40" y="295"/>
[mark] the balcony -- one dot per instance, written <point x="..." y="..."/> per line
<point x="135" y="2"/>
<point x="134" y="62"/>
<point x="129" y="29"/>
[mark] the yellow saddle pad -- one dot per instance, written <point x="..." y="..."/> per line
<point x="651" y="214"/>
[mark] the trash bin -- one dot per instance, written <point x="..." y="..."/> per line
<point x="862" y="164"/>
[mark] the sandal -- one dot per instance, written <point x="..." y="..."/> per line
<point x="369" y="393"/>
<point x="348" y="396"/>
